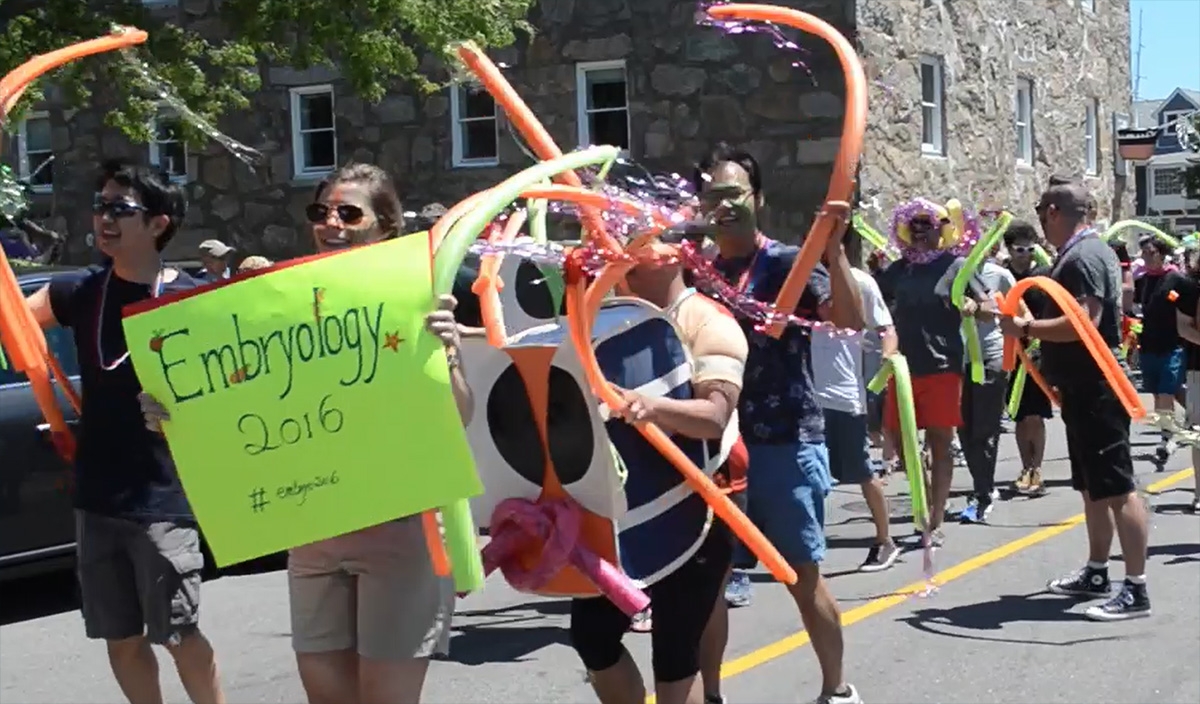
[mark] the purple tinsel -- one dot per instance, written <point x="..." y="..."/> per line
<point x="908" y="211"/>
<point x="748" y="27"/>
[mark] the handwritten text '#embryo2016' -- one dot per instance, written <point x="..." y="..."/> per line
<point x="354" y="333"/>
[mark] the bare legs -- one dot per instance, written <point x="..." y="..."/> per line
<point x="343" y="677"/>
<point x="1031" y="442"/>
<point x="941" y="471"/>
<point x="136" y="669"/>
<point x="823" y="621"/>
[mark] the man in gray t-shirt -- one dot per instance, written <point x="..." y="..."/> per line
<point x="983" y="404"/>
<point x="839" y="376"/>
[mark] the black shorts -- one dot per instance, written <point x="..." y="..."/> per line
<point x="137" y="578"/>
<point x="681" y="604"/>
<point x="1034" y="402"/>
<point x="1097" y="428"/>
<point x="874" y="412"/>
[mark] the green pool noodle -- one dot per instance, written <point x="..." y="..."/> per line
<point x="1040" y="256"/>
<point x="1019" y="379"/>
<point x="870" y="234"/>
<point x="1116" y="227"/>
<point x="538" y="210"/>
<point x="897" y="366"/>
<point x="958" y="290"/>
<point x="458" y="525"/>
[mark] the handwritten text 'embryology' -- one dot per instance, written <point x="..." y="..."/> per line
<point x="354" y="333"/>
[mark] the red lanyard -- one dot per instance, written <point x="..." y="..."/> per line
<point x="760" y="243"/>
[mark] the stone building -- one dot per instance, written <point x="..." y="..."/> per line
<point x="980" y="99"/>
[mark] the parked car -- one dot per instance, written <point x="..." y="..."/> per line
<point x="37" y="523"/>
<point x="37" y="520"/>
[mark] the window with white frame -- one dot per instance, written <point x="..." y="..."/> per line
<point x="1023" y="107"/>
<point x="1169" y="120"/>
<point x="1168" y="181"/>
<point x="35" y="151"/>
<point x="933" y="102"/>
<point x="1089" y="5"/>
<point x="475" y="139"/>
<point x="602" y="103"/>
<point x="1091" y="141"/>
<point x="167" y="148"/>
<point x="314" y="135"/>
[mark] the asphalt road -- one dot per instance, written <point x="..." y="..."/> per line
<point x="989" y="634"/>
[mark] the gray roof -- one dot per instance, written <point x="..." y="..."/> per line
<point x="1144" y="110"/>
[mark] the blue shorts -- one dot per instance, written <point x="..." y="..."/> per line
<point x="849" y="453"/>
<point x="785" y="494"/>
<point x="1162" y="373"/>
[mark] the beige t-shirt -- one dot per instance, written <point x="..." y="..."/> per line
<point x="713" y="338"/>
<point x="718" y="350"/>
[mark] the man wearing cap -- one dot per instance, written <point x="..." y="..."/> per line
<point x="215" y="255"/>
<point x="1097" y="424"/>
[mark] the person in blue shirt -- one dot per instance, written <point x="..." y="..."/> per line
<point x="782" y="424"/>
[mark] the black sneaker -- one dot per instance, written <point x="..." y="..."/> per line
<point x="1131" y="602"/>
<point x="880" y="557"/>
<point x="1087" y="582"/>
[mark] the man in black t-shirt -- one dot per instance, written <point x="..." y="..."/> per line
<point x="1097" y="424"/>
<point x="1187" y="317"/>
<point x="1020" y="239"/>
<point x="138" y="547"/>
<point x="1160" y="353"/>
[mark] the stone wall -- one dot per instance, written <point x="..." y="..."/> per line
<point x="1070" y="54"/>
<point x="688" y="87"/>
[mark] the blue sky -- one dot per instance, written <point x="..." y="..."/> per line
<point x="1170" y="46"/>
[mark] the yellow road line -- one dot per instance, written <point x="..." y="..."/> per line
<point x="795" y="641"/>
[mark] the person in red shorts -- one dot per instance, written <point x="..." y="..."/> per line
<point x="917" y="287"/>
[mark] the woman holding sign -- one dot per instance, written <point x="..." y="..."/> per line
<point x="367" y="610"/>
<point x="137" y="543"/>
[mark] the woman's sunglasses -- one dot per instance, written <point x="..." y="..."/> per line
<point x="1020" y="249"/>
<point x="116" y="209"/>
<point x="318" y="213"/>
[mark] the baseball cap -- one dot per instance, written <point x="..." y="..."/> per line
<point x="215" y="248"/>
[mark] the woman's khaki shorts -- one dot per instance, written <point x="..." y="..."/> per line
<point x="372" y="591"/>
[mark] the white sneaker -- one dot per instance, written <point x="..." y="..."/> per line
<point x="850" y="696"/>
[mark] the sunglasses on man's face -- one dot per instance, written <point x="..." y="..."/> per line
<point x="318" y="213"/>
<point x="1020" y="249"/>
<point x="116" y="209"/>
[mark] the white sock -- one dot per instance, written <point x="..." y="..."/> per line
<point x="1135" y="578"/>
<point x="1097" y="565"/>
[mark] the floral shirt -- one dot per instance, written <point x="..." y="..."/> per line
<point x="778" y="402"/>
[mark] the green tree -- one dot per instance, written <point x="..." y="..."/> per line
<point x="374" y="43"/>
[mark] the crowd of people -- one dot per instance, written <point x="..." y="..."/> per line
<point x="367" y="609"/>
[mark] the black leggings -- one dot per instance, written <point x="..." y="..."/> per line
<point x="681" y="602"/>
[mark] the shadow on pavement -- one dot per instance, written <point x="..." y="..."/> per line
<point x="993" y="615"/>
<point x="501" y="637"/>
<point x="503" y="642"/>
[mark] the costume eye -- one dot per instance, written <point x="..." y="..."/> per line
<point x="504" y="438"/>
<point x="527" y="298"/>
<point x="579" y="449"/>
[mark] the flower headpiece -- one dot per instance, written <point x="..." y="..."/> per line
<point x="959" y="232"/>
